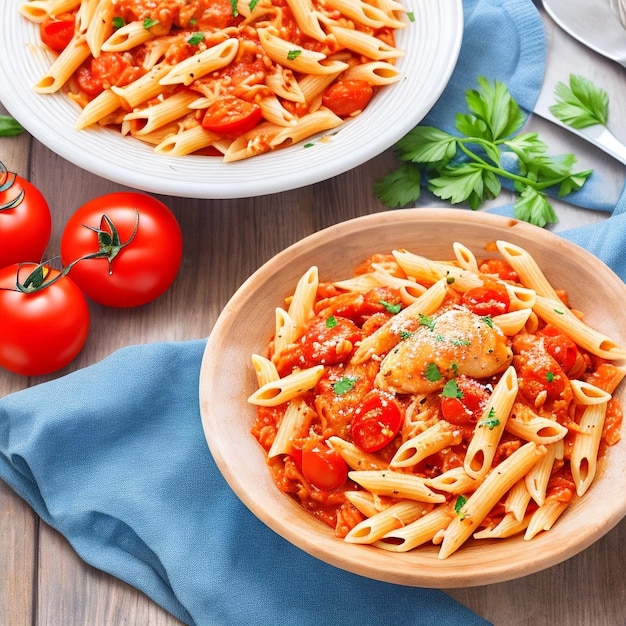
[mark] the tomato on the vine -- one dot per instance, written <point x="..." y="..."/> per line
<point x="376" y="421"/>
<point x="44" y="329"/>
<point x="124" y="248"/>
<point x="25" y="221"/>
<point x="323" y="467"/>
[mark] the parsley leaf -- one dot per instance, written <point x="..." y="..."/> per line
<point x="390" y="306"/>
<point x="149" y="23"/>
<point x="451" y="390"/>
<point x="293" y="54"/>
<point x="491" y="421"/>
<point x="9" y="126"/>
<point x="331" y="322"/>
<point x="118" y="22"/>
<point x="432" y="373"/>
<point x="459" y="503"/>
<point x="195" y="39"/>
<point x="427" y="321"/>
<point x="581" y="104"/>
<point x="467" y="168"/>
<point x="345" y="384"/>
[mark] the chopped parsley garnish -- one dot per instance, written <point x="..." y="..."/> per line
<point x="487" y="320"/>
<point x="331" y="322"/>
<point x="405" y="334"/>
<point x="149" y="23"/>
<point x="391" y="307"/>
<point x="459" y="504"/>
<point x="559" y="312"/>
<point x="118" y="22"/>
<point x="345" y="384"/>
<point x="411" y="16"/>
<point x="193" y="21"/>
<point x="451" y="390"/>
<point x="293" y="54"/>
<point x="550" y="377"/>
<point x="466" y="167"/>
<point x="234" y="11"/>
<point x="252" y="4"/>
<point x="195" y="39"/>
<point x="581" y="104"/>
<point x="9" y="127"/>
<point x="460" y="342"/>
<point x="432" y="373"/>
<point x="491" y="421"/>
<point x="425" y="320"/>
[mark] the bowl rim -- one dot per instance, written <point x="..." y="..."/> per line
<point x="415" y="568"/>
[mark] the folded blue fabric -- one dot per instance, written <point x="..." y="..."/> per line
<point x="118" y="463"/>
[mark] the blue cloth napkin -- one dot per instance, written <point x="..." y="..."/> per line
<point x="114" y="457"/>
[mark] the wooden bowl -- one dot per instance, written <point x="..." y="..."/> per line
<point x="246" y="323"/>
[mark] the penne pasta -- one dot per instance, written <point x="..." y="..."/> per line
<point x="396" y="516"/>
<point x="451" y="422"/>
<point x="496" y="484"/>
<point x="490" y="426"/>
<point x="280" y="391"/>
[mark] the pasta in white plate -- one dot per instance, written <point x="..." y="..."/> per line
<point x="265" y="73"/>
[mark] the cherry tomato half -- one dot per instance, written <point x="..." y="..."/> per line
<point x="41" y="331"/>
<point x="376" y="421"/>
<point x="468" y="408"/>
<point x="25" y="224"/>
<point x="56" y="34"/>
<point x="231" y="115"/>
<point x="323" y="467"/>
<point x="142" y="265"/>
<point x="490" y="299"/>
<point x="347" y="97"/>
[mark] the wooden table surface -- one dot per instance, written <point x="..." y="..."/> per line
<point x="43" y="582"/>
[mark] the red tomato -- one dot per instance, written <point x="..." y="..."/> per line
<point x="329" y="340"/>
<point x="230" y="115"/>
<point x="127" y="248"/>
<point x="467" y="409"/>
<point x="25" y="224"/>
<point x="41" y="331"/>
<point x="323" y="467"/>
<point x="56" y="34"/>
<point x="347" y="97"/>
<point x="376" y="421"/>
<point x="560" y="347"/>
<point x="490" y="299"/>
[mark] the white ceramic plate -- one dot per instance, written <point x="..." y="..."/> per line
<point x="246" y="323"/>
<point x="432" y="43"/>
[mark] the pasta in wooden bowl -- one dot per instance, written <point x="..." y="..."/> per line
<point x="448" y="415"/>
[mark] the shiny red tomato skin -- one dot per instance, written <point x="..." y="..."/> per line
<point x="144" y="269"/>
<point x="465" y="411"/>
<point x="347" y="97"/>
<point x="56" y="34"/>
<point x="376" y="421"/>
<point x="323" y="467"/>
<point x="44" y="331"/>
<point x="25" y="229"/>
<point x="231" y="115"/>
<point x="491" y="299"/>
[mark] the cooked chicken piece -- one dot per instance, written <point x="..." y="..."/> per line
<point x="456" y="342"/>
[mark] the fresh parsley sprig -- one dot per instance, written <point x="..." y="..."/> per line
<point x="581" y="103"/>
<point x="469" y="167"/>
